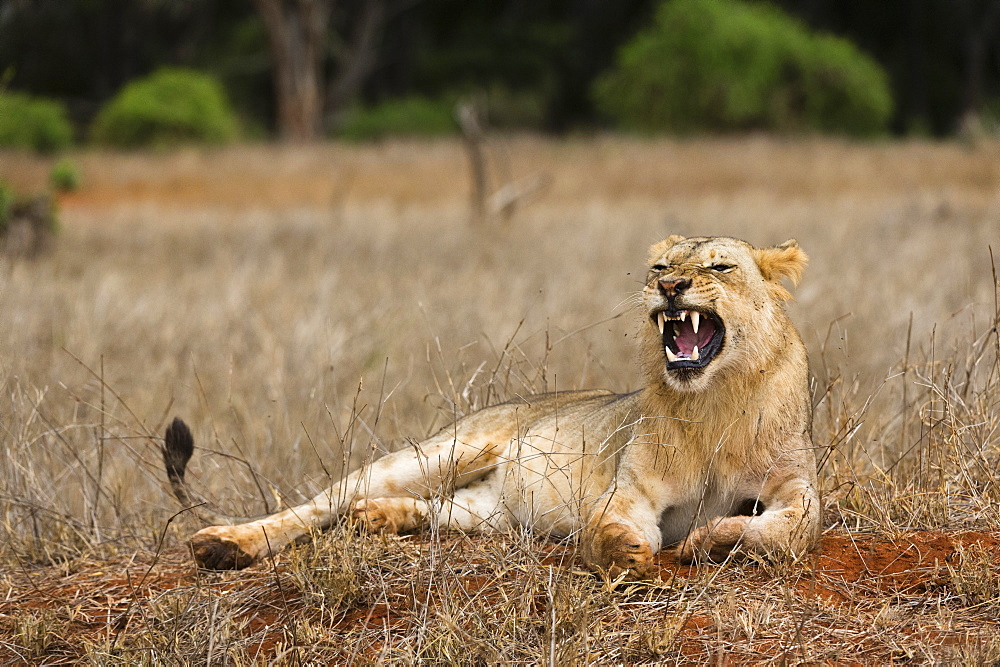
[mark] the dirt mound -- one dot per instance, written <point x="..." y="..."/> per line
<point x="859" y="596"/>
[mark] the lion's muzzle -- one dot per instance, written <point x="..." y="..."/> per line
<point x="691" y="338"/>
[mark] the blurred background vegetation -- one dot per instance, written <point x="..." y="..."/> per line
<point x="149" y="72"/>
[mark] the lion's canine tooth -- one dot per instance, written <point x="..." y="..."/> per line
<point x="671" y="357"/>
<point x="695" y="320"/>
<point x="694" y="354"/>
<point x="660" y="319"/>
<point x="684" y="315"/>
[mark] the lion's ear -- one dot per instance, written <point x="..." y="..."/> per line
<point x="784" y="261"/>
<point x="657" y="250"/>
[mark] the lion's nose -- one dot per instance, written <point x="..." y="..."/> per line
<point x="673" y="286"/>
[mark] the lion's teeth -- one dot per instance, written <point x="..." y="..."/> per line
<point x="671" y="357"/>
<point x="695" y="320"/>
<point x="660" y="319"/>
<point x="684" y="315"/>
<point x="677" y="331"/>
<point x="694" y="354"/>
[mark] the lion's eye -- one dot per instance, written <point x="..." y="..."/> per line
<point x="658" y="267"/>
<point x="723" y="268"/>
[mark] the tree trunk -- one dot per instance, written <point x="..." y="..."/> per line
<point x="357" y="60"/>
<point x="983" y="23"/>
<point x="472" y="132"/>
<point x="297" y="33"/>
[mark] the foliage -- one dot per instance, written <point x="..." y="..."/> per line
<point x="65" y="177"/>
<point x="170" y="106"/>
<point x="6" y="201"/>
<point x="729" y="65"/>
<point x="33" y="122"/>
<point x="507" y="108"/>
<point x="409" y="116"/>
<point x="943" y="56"/>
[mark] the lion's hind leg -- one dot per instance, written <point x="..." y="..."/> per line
<point x="392" y="515"/>
<point x="473" y="508"/>
<point x="442" y="462"/>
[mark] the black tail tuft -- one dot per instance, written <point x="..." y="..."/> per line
<point x="178" y="446"/>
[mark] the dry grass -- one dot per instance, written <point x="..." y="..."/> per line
<point x="302" y="308"/>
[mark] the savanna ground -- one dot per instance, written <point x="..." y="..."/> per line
<point x="306" y="308"/>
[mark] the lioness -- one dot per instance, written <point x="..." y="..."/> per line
<point x="713" y="454"/>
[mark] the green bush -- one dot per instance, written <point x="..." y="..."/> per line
<point x="6" y="201"/>
<point x="409" y="116"/>
<point x="65" y="177"/>
<point x="33" y="122"/>
<point x="729" y="65"/>
<point x="168" y="107"/>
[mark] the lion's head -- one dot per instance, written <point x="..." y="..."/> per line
<point x="713" y="305"/>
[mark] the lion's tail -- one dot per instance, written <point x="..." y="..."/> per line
<point x="178" y="446"/>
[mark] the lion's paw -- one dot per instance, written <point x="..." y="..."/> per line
<point x="213" y="550"/>
<point x="616" y="549"/>
<point x="373" y="516"/>
<point x="712" y="542"/>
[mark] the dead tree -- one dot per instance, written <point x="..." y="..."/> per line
<point x="485" y="202"/>
<point x="299" y="36"/>
<point x="981" y="26"/>
<point x="472" y="133"/>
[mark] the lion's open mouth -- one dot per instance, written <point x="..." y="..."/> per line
<point x="691" y="338"/>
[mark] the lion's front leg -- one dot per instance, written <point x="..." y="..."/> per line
<point x="615" y="548"/>
<point x="624" y="535"/>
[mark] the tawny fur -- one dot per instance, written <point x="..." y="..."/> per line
<point x="704" y="461"/>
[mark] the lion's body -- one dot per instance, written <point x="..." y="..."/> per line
<point x="713" y="453"/>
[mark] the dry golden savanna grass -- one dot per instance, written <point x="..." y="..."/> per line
<point x="305" y="307"/>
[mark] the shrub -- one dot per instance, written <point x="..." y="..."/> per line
<point x="409" y="116"/>
<point x="6" y="200"/>
<point x="33" y="122"/>
<point x="729" y="65"/>
<point x="170" y="106"/>
<point x="507" y="108"/>
<point x="27" y="224"/>
<point x="65" y="177"/>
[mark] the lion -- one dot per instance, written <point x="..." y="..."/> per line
<point x="713" y="455"/>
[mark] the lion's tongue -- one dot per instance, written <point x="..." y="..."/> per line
<point x="687" y="339"/>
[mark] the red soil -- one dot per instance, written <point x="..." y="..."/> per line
<point x="100" y="599"/>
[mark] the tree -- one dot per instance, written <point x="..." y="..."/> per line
<point x="729" y="65"/>
<point x="981" y="24"/>
<point x="943" y="55"/>
<point x="299" y="34"/>
<point x="296" y="31"/>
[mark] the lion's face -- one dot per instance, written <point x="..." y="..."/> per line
<point x="714" y="303"/>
